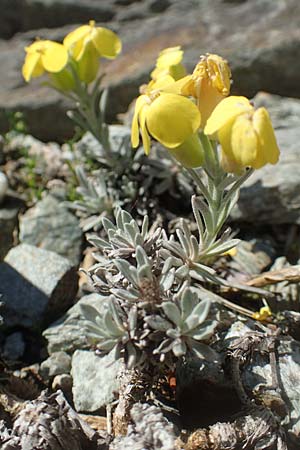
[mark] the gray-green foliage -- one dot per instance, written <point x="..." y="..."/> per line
<point x="154" y="314"/>
<point x="134" y="177"/>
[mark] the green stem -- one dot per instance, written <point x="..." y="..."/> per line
<point x="91" y="115"/>
<point x="218" y="192"/>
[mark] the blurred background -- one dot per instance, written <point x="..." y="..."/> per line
<point x="259" y="38"/>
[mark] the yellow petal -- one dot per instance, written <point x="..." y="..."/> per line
<point x="162" y="83"/>
<point x="244" y="142"/>
<point x="106" y="42"/>
<point x="190" y="152"/>
<point x="32" y="66"/>
<point x="169" y="57"/>
<point x="225" y="111"/>
<point x="135" y="138"/>
<point x="209" y="98"/>
<point x="181" y="87"/>
<point x="263" y="127"/>
<point x="55" y="57"/>
<point x="74" y="40"/>
<point x="171" y="119"/>
<point x="263" y="314"/>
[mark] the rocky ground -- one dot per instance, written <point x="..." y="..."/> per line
<point x="43" y="243"/>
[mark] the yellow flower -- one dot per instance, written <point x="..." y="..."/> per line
<point x="246" y="135"/>
<point x="87" y="43"/>
<point x="208" y="84"/>
<point x="263" y="314"/>
<point x="169" y="63"/>
<point x="169" y="118"/>
<point x="44" y="56"/>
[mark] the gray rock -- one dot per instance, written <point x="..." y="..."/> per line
<point x="51" y="226"/>
<point x="259" y="38"/>
<point x="88" y="144"/>
<point x="272" y="194"/>
<point x="57" y="364"/>
<point x="9" y="211"/>
<point x="20" y="15"/>
<point x="14" y="346"/>
<point x="63" y="382"/>
<point x="36" y="286"/>
<point x="3" y="186"/>
<point x="49" y="157"/>
<point x="252" y="257"/>
<point x="55" y="13"/>
<point x="10" y="18"/>
<point x="66" y="333"/>
<point x="158" y="6"/>
<point x="94" y="380"/>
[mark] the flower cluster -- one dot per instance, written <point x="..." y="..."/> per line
<point x="178" y="109"/>
<point x="79" y="53"/>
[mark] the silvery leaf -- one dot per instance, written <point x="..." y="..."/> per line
<point x="97" y="241"/>
<point x="223" y="248"/>
<point x="179" y="348"/>
<point x="202" y="309"/>
<point x="107" y="344"/>
<point x="203" y="333"/>
<point x="183" y="241"/>
<point x="111" y="325"/>
<point x="130" y="295"/>
<point x="115" y="313"/>
<point x="187" y="303"/>
<point x="108" y="225"/>
<point x="182" y="272"/>
<point x="88" y="312"/>
<point x="145" y="227"/>
<point x="168" y="264"/>
<point x="168" y="280"/>
<point x="172" y="312"/>
<point x="132" y="318"/>
<point x="157" y="323"/>
<point x="141" y="256"/>
<point x="131" y="355"/>
<point x="173" y="333"/>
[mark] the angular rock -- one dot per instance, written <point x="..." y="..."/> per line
<point x="272" y="194"/>
<point x="56" y="13"/>
<point x="57" y="364"/>
<point x="94" y="380"/>
<point x="21" y="15"/>
<point x="10" y="18"/>
<point x="36" y="286"/>
<point x="63" y="382"/>
<point x="9" y="211"/>
<point x="14" y="346"/>
<point x="51" y="226"/>
<point x="49" y="158"/>
<point x="252" y="257"/>
<point x="66" y="333"/>
<point x="88" y="144"/>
